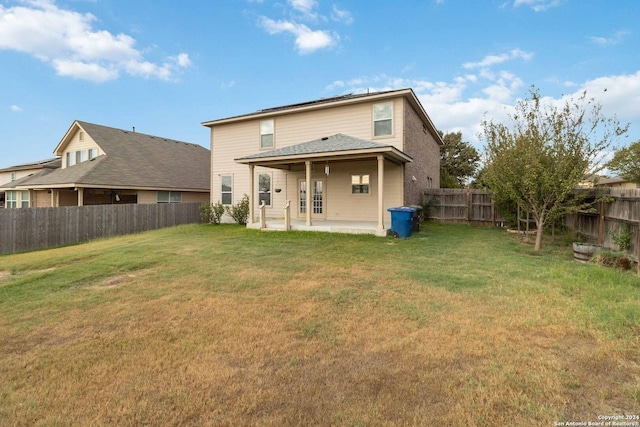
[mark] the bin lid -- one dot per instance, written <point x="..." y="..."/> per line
<point x="401" y="209"/>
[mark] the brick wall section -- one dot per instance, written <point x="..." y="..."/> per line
<point x="423" y="147"/>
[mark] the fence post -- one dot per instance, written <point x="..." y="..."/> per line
<point x="469" y="205"/>
<point x="263" y="219"/>
<point x="601" y="224"/>
<point x="287" y="216"/>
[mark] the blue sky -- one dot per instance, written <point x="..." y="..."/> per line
<point x="166" y="66"/>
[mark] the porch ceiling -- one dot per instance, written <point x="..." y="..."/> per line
<point x="338" y="147"/>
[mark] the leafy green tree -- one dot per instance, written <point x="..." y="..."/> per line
<point x="626" y="163"/>
<point x="458" y="161"/>
<point x="543" y="155"/>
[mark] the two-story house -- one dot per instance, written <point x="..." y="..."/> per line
<point x="105" y="165"/>
<point x="13" y="173"/>
<point x="347" y="158"/>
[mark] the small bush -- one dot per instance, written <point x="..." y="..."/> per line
<point x="211" y="213"/>
<point x="623" y="237"/>
<point x="240" y="211"/>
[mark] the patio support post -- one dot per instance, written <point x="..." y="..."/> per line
<point x="309" y="190"/>
<point x="80" y="196"/>
<point x="380" y="192"/>
<point x="251" y="184"/>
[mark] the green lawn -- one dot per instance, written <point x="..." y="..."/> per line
<point x="219" y="325"/>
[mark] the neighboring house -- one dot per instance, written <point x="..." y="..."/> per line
<point x="12" y="173"/>
<point x="358" y="155"/>
<point x="103" y="165"/>
<point x="615" y="182"/>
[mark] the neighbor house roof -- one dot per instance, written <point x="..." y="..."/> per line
<point x="131" y="160"/>
<point x="328" y="147"/>
<point x="40" y="164"/>
<point x="321" y="103"/>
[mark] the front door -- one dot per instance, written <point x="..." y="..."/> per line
<point x="318" y="198"/>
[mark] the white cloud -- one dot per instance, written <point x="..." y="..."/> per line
<point x="491" y="60"/>
<point x="68" y="42"/>
<point x="306" y="39"/>
<point x="341" y="15"/>
<point x="16" y="109"/>
<point x="228" y="85"/>
<point x="616" y="38"/>
<point x="538" y="5"/>
<point x="304" y="6"/>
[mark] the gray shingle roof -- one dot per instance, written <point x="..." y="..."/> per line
<point x="48" y="163"/>
<point x="335" y="143"/>
<point x="135" y="160"/>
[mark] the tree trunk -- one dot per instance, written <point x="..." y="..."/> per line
<point x="539" y="231"/>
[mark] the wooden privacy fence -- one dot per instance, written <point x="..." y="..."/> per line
<point x="609" y="219"/>
<point x="37" y="228"/>
<point x="455" y="205"/>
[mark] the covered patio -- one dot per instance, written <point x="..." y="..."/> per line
<point x="334" y="151"/>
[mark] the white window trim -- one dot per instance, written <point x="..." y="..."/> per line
<point x="373" y="115"/>
<point x="351" y="184"/>
<point x="8" y="200"/>
<point x="273" y="135"/>
<point x="270" y="175"/>
<point x="170" y="194"/>
<point x="222" y="176"/>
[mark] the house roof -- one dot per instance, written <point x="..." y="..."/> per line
<point x="131" y="160"/>
<point x="321" y="103"/>
<point x="333" y="146"/>
<point x="47" y="163"/>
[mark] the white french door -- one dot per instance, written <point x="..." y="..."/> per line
<point x="318" y="197"/>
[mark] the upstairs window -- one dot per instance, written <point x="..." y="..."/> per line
<point x="78" y="157"/>
<point x="266" y="134"/>
<point x="226" y="192"/>
<point x="359" y="184"/>
<point x="93" y="153"/>
<point x="13" y="176"/>
<point x="383" y="119"/>
<point x="71" y="158"/>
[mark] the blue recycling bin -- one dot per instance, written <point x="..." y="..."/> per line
<point x="402" y="220"/>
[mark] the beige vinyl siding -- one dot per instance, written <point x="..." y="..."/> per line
<point x="5" y="177"/>
<point x="76" y="145"/>
<point x="41" y="199"/>
<point x="193" y="197"/>
<point x="233" y="140"/>
<point x="147" y="197"/>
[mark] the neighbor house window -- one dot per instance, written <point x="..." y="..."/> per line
<point x="78" y="157"/>
<point x="359" y="184"/>
<point x="12" y="199"/>
<point x="266" y="134"/>
<point x="84" y="155"/>
<point x="93" y="153"/>
<point x="383" y="119"/>
<point x="264" y="189"/>
<point x="71" y="159"/>
<point x="169" y="197"/>
<point x="13" y="176"/>
<point x="226" y="193"/>
<point x="81" y="136"/>
<point x="24" y="199"/>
